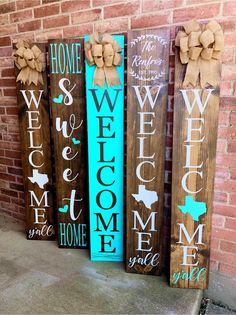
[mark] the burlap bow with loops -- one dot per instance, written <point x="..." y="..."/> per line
<point x="30" y="62"/>
<point x="201" y="49"/>
<point x="104" y="52"/>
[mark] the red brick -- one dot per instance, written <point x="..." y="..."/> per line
<point x="86" y="16"/>
<point x="218" y="220"/>
<point x="215" y="243"/>
<point x="44" y="36"/>
<point x="22" y="15"/>
<point x="233" y="173"/>
<point x="74" y="31"/>
<point x="74" y="5"/>
<point x="201" y="12"/>
<point x="5" y="51"/>
<point x="23" y="4"/>
<point x="7" y="177"/>
<point x="14" y="171"/>
<point x="226" y="159"/>
<point x="13" y="154"/>
<point x="12" y="110"/>
<point x="56" y="21"/>
<point x="5" y="41"/>
<point x="9" y="192"/>
<point x="6" y="161"/>
<point x="4" y="19"/>
<point x="228" y="25"/>
<point x="231" y="147"/>
<point x="4" y="198"/>
<point x="228" y="103"/>
<point x="46" y="10"/>
<point x="29" y="26"/>
<point x="224" y="118"/>
<point x="155" y="5"/>
<point x="100" y="3"/>
<point x="8" y="72"/>
<point x="114" y="25"/>
<point x="229" y="8"/>
<point x="17" y="187"/>
<point x="49" y="1"/>
<point x="232" y="118"/>
<point x="213" y="265"/>
<point x="9" y="92"/>
<point x="230" y="40"/>
<point x="220" y="197"/>
<point x="127" y="8"/>
<point x="7" y="82"/>
<point x="225" y="88"/>
<point x="7" y="7"/>
<point x="227" y="133"/>
<point x="228" y="56"/>
<point x="8" y="29"/>
<point x="149" y="20"/>
<point x="228" y="246"/>
<point x="222" y="172"/>
<point x="223" y="257"/>
<point x="225" y="210"/>
<point x="221" y="146"/>
<point x="231" y="224"/>
<point x="229" y="270"/>
<point x="229" y="72"/>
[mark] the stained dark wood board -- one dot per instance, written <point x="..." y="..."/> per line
<point x="202" y="152"/>
<point x="78" y="165"/>
<point x="41" y="136"/>
<point x="146" y="45"/>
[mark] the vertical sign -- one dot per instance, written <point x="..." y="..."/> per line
<point x="105" y="115"/>
<point x="69" y="134"/>
<point x="32" y="98"/>
<point x="148" y="67"/>
<point x="194" y="149"/>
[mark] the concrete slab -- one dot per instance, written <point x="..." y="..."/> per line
<point x="213" y="309"/>
<point x="36" y="277"/>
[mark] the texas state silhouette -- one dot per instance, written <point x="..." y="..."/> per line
<point x="194" y="208"/>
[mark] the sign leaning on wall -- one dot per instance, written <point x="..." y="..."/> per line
<point x="32" y="98"/>
<point x="147" y="86"/>
<point x="105" y="116"/>
<point x="197" y="79"/>
<point x="69" y="134"/>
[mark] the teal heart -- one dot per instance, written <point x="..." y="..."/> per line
<point x="64" y="209"/>
<point x="58" y="100"/>
<point x="75" y="141"/>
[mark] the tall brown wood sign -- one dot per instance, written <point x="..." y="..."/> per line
<point x="148" y="66"/>
<point x="69" y="134"/>
<point x="32" y="98"/>
<point x="194" y="149"/>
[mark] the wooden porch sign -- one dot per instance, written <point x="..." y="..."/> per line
<point x="69" y="134"/>
<point x="32" y="98"/>
<point x="194" y="149"/>
<point x="105" y="116"/>
<point x="147" y="75"/>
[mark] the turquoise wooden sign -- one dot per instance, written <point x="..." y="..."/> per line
<point x="105" y="124"/>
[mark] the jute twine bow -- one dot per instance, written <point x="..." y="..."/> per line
<point x="30" y="62"/>
<point x="105" y="52"/>
<point x="201" y="49"/>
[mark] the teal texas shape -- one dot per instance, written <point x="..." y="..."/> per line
<point x="194" y="208"/>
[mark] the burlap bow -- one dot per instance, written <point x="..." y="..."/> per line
<point x="30" y="62"/>
<point x="201" y="49"/>
<point x="105" y="52"/>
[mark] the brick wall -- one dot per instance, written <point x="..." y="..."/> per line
<point x="39" y="20"/>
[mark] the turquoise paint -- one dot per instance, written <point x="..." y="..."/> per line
<point x="105" y="155"/>
<point x="58" y="100"/>
<point x="75" y="141"/>
<point x="64" y="209"/>
<point x="194" y="208"/>
<point x="72" y="234"/>
<point x="196" y="275"/>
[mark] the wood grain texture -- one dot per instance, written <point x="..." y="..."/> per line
<point x="77" y="152"/>
<point x="41" y="136"/>
<point x="201" y="153"/>
<point x="148" y="57"/>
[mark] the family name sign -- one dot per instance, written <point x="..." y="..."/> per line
<point x="147" y="90"/>
<point x="69" y="133"/>
<point x="32" y="98"/>
<point x="197" y="78"/>
<point x="105" y="118"/>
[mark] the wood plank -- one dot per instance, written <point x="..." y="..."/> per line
<point x="67" y="103"/>
<point x="36" y="157"/>
<point x="105" y="115"/>
<point x="194" y="190"/>
<point x="147" y="92"/>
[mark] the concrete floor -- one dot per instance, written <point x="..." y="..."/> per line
<point x="36" y="277"/>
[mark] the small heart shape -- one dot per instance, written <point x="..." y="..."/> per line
<point x="75" y="141"/>
<point x="64" y="209"/>
<point x="58" y="100"/>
